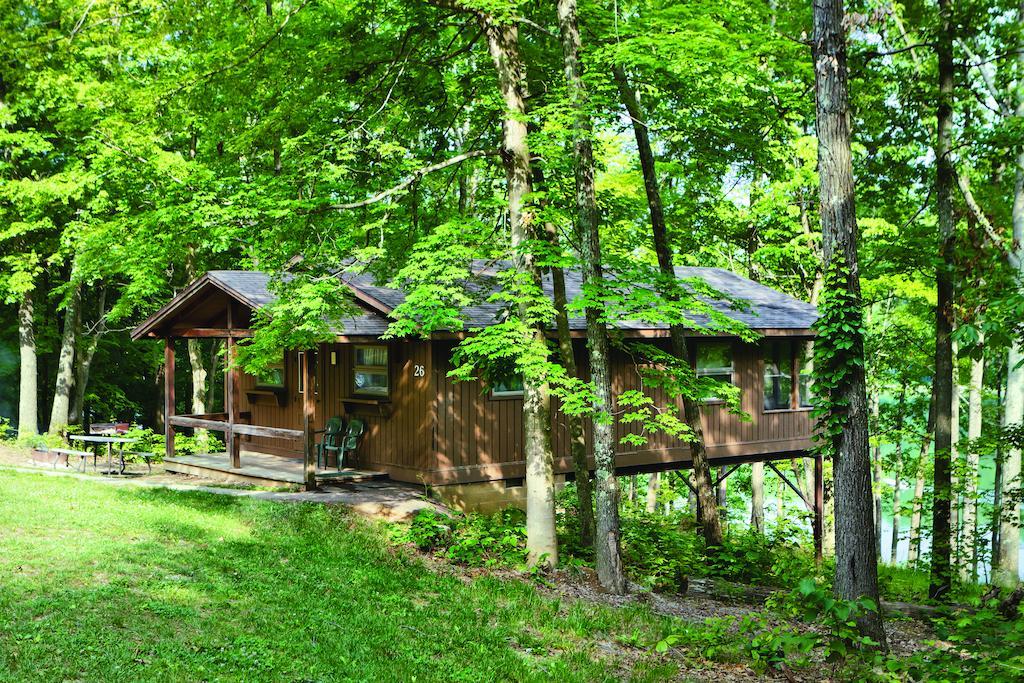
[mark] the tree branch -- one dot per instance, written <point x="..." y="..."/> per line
<point x="413" y="177"/>
<point x="965" y="189"/>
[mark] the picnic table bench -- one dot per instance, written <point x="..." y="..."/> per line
<point x="68" y="453"/>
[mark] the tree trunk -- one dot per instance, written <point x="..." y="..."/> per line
<point x="503" y="45"/>
<point x="577" y="439"/>
<point x="198" y="367"/>
<point x="914" y="552"/>
<point x="710" y="521"/>
<point x="28" y="393"/>
<point x="83" y="366"/>
<point x="653" y="484"/>
<point x="856" y="561"/>
<point x="941" y="578"/>
<point x="608" y="551"/>
<point x="61" y="408"/>
<point x="974" y="426"/>
<point x="897" y="475"/>
<point x="757" y="496"/>
<point x="1007" y="572"/>
<point x="877" y="477"/>
<point x="83" y="359"/>
<point x="956" y="539"/>
<point x="567" y="356"/>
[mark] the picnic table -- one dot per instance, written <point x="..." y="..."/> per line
<point x="96" y="440"/>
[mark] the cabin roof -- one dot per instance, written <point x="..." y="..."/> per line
<point x="767" y="311"/>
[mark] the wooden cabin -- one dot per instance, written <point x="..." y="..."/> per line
<point x="466" y="438"/>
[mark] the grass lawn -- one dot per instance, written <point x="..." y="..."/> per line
<point x="117" y="583"/>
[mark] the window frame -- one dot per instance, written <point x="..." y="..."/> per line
<point x="282" y="365"/>
<point x="501" y="395"/>
<point x="384" y="370"/>
<point x="300" y="383"/>
<point x="699" y="372"/>
<point x="793" y="345"/>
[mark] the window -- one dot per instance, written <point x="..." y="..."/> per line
<point x="273" y="377"/>
<point x="787" y="374"/>
<point x="805" y="355"/>
<point x="370" y="375"/>
<point x="510" y="386"/>
<point x="312" y="370"/>
<point x="714" y="360"/>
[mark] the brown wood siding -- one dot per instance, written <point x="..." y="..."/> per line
<point x="479" y="437"/>
<point x="438" y="430"/>
<point x="398" y="429"/>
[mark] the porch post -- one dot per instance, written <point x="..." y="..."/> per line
<point x="819" y="507"/>
<point x="168" y="396"/>
<point x="307" y="422"/>
<point x="233" y="384"/>
<point x="233" y="444"/>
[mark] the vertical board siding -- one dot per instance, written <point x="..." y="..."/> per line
<point x="433" y="424"/>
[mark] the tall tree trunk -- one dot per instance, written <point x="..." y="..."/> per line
<point x="940" y="580"/>
<point x="1007" y="572"/>
<point x="653" y="484"/>
<point x="28" y="392"/>
<point x="914" y="552"/>
<point x="567" y="356"/>
<point x="503" y="45"/>
<point x="83" y="366"/>
<point x="974" y="426"/>
<point x="856" y="560"/>
<point x="195" y="350"/>
<point x="88" y="344"/>
<point x="722" y="496"/>
<point x="877" y="476"/>
<point x="897" y="476"/>
<point x="710" y="521"/>
<point x="607" y="546"/>
<point x="61" y="408"/>
<point x="956" y="539"/>
<point x="757" y="496"/>
<point x="577" y="439"/>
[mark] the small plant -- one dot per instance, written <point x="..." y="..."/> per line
<point x="7" y="432"/>
<point x="497" y="540"/>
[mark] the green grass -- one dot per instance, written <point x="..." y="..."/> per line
<point x="117" y="584"/>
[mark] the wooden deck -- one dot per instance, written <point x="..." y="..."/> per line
<point x="260" y="469"/>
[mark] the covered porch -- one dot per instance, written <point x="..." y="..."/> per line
<point x="218" y="307"/>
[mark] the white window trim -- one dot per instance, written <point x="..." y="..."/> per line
<point x="371" y="370"/>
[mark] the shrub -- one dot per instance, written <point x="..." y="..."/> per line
<point x="7" y="432"/>
<point x="152" y="442"/>
<point x="497" y="540"/>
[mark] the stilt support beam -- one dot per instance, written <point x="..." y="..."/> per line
<point x="819" y="507"/>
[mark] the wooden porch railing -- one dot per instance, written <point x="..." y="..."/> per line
<point x="229" y="422"/>
<point x="211" y="422"/>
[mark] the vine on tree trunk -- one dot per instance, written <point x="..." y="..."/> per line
<point x="837" y="355"/>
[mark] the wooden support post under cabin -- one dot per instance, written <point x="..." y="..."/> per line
<point x="233" y="386"/>
<point x="819" y="507"/>
<point x="168" y="396"/>
<point x="308" y="407"/>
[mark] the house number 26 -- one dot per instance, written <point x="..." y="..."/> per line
<point x="418" y="371"/>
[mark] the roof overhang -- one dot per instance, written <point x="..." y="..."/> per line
<point x="158" y="325"/>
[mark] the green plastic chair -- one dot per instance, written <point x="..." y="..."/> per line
<point x="334" y="433"/>
<point x="353" y="434"/>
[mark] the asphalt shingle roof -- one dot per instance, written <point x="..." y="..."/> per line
<point x="766" y="307"/>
